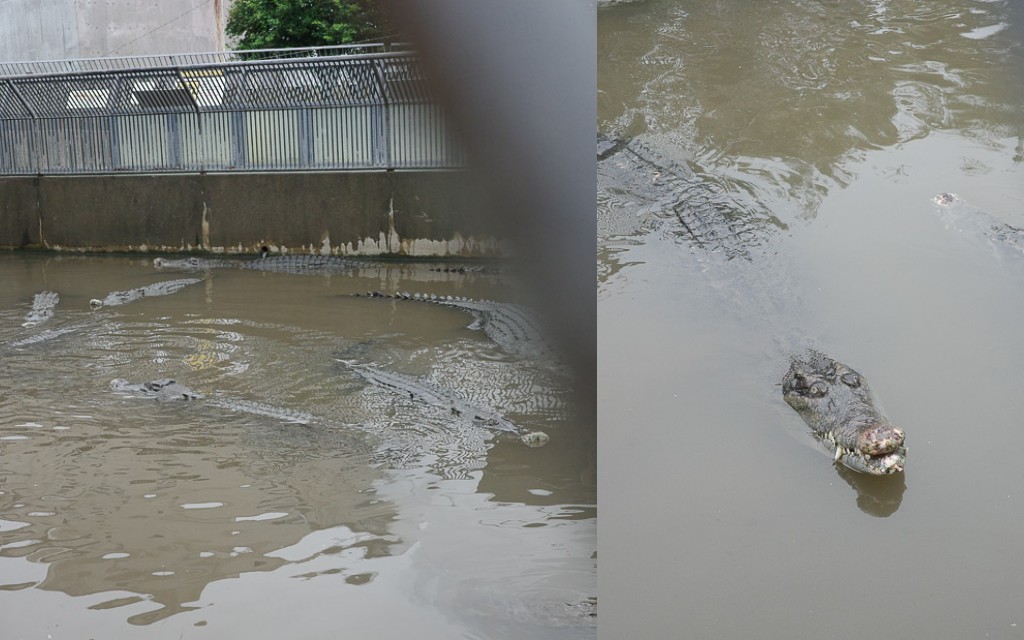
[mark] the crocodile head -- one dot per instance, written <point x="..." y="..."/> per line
<point x="163" y="389"/>
<point x="838" y="405"/>
<point x="37" y="316"/>
<point x="166" y="389"/>
<point x="491" y="420"/>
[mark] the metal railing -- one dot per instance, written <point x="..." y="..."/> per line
<point x="293" y="109"/>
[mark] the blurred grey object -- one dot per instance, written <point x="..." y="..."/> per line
<point x="519" y="80"/>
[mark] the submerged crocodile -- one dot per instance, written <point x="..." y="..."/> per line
<point x="44" y="336"/>
<point x="646" y="181"/>
<point x="976" y="222"/>
<point x="167" y="390"/>
<point x="302" y="264"/>
<point x="278" y="264"/>
<point x="163" y="389"/>
<point x="42" y="308"/>
<point x="428" y="394"/>
<point x="164" y="288"/>
<point x="840" y="408"/>
<point x="511" y="326"/>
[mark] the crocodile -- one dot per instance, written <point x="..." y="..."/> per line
<point x="640" y="178"/>
<point x="303" y="264"/>
<point x="290" y="416"/>
<point x="842" y="411"/>
<point x="646" y="181"/>
<point x="164" y="288"/>
<point x="511" y="326"/>
<point x="977" y="222"/>
<point x="428" y="394"/>
<point x="477" y="269"/>
<point x="166" y="390"/>
<point x="42" y="308"/>
<point x="44" y="336"/>
<point x="300" y="264"/>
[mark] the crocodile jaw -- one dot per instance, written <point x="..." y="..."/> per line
<point x="880" y="465"/>
<point x="879" y="451"/>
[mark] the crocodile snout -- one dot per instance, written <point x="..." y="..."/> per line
<point x="880" y="439"/>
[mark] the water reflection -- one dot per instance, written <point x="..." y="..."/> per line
<point x="879" y="496"/>
<point x="142" y="504"/>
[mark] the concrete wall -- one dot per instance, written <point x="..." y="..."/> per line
<point x="127" y="27"/>
<point x="59" y="29"/>
<point x="398" y="213"/>
<point x="38" y="30"/>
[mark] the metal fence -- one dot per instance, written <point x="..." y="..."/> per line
<point x="295" y="109"/>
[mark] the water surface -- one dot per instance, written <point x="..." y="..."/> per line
<point x="772" y="192"/>
<point x="332" y="505"/>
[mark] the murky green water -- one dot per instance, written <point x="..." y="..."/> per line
<point x="335" y="507"/>
<point x="772" y="192"/>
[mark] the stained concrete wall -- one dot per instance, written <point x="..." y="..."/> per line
<point x="398" y="213"/>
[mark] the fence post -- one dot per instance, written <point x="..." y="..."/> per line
<point x="382" y="141"/>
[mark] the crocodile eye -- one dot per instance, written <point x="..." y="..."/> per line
<point x="851" y="380"/>
<point x="817" y="389"/>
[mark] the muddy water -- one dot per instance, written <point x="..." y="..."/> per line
<point x="816" y="136"/>
<point x="334" y="505"/>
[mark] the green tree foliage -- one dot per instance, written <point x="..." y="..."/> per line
<point x="272" y="24"/>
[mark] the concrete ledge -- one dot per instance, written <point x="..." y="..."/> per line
<point x="429" y="213"/>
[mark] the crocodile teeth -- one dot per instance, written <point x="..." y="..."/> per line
<point x="839" y="454"/>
